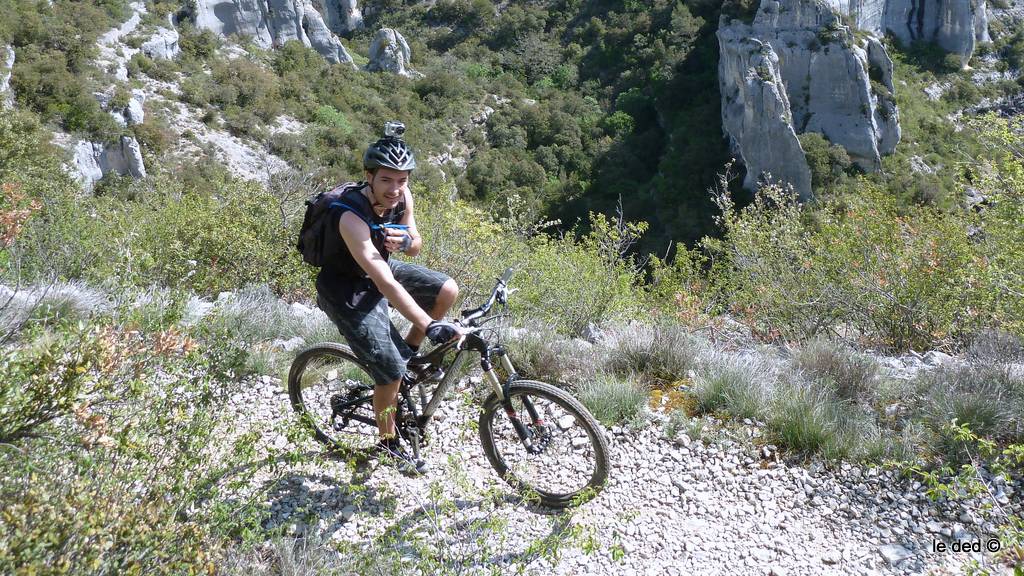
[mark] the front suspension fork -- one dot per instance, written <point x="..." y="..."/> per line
<point x="525" y="435"/>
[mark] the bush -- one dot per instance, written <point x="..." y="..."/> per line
<point x="474" y="247"/>
<point x="853" y="375"/>
<point x="734" y="384"/>
<point x="856" y="265"/>
<point x="611" y="399"/>
<point x="539" y="354"/>
<point x="253" y="314"/>
<point x="665" y="352"/>
<point x="163" y="70"/>
<point x="110" y="471"/>
<point x="177" y="234"/>
<point x="809" y="418"/>
<point x="988" y="399"/>
<point x="996" y="346"/>
<point x="827" y="161"/>
<point x="44" y="83"/>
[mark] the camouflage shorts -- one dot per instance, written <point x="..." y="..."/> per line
<point x="372" y="336"/>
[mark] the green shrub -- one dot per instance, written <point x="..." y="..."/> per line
<point x="860" y="263"/>
<point x="611" y="399"/>
<point x="111" y="472"/>
<point x="663" y="351"/>
<point x="853" y="374"/>
<point x="45" y="82"/>
<point x="564" y="284"/>
<point x="154" y="135"/>
<point x="176" y="234"/>
<point x="163" y="70"/>
<point x="987" y="398"/>
<point x="734" y="384"/>
<point x="151" y="310"/>
<point x="827" y="161"/>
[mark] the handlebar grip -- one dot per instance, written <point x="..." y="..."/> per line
<point x="506" y="276"/>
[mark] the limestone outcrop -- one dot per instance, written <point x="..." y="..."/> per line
<point x="756" y="113"/>
<point x="341" y="16"/>
<point x="90" y="161"/>
<point x="955" y="25"/>
<point x="389" y="52"/>
<point x="836" y="83"/>
<point x="271" y="23"/>
<point x="6" y="67"/>
<point x="163" y="45"/>
<point x="129" y="114"/>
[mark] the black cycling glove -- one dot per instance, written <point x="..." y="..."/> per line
<point x="441" y="331"/>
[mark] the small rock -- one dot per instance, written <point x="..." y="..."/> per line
<point x="894" y="553"/>
<point x="935" y="358"/>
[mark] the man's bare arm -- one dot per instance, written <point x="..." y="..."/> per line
<point x="409" y="219"/>
<point x="357" y="238"/>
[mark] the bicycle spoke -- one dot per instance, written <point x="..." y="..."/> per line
<point x="335" y="395"/>
<point x="560" y="457"/>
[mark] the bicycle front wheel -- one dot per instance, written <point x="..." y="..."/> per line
<point x="564" y="455"/>
<point x="332" y="391"/>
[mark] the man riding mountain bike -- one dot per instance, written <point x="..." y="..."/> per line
<point x="375" y="219"/>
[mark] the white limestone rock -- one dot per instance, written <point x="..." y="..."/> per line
<point x="163" y="45"/>
<point x="6" y="67"/>
<point x="835" y="84"/>
<point x="955" y="25"/>
<point x="114" y="54"/>
<point x="85" y="164"/>
<point x="756" y="112"/>
<point x="91" y="161"/>
<point x="341" y="16"/>
<point x="131" y="114"/>
<point x="123" y="158"/>
<point x="389" y="52"/>
<point x="134" y="113"/>
<point x="271" y="23"/>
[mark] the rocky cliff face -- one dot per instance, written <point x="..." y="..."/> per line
<point x="389" y="52"/>
<point x="342" y="16"/>
<point x="90" y="161"/>
<point x="834" y="83"/>
<point x="756" y="113"/>
<point x="271" y="23"/>
<point x="163" y="45"/>
<point x="6" y="66"/>
<point x="956" y="25"/>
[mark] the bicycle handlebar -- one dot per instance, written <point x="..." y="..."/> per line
<point x="469" y="316"/>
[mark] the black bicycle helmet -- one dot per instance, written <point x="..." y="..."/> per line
<point x="389" y="152"/>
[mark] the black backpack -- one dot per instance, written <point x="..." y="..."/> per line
<point x="317" y="242"/>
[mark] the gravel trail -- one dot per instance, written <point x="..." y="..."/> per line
<point x="722" y="504"/>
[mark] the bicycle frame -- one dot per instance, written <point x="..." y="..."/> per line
<point x="473" y="343"/>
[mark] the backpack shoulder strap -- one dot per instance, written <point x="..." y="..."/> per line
<point x="347" y="204"/>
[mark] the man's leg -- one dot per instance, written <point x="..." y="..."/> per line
<point x="374" y="340"/>
<point x="385" y="402"/>
<point x="444" y="302"/>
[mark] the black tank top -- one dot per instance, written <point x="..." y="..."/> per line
<point x="342" y="281"/>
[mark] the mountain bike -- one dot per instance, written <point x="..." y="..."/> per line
<point x="539" y="439"/>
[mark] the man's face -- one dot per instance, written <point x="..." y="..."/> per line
<point x="388" y="186"/>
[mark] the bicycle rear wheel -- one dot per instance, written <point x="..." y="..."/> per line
<point x="332" y="391"/>
<point x="567" y="455"/>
